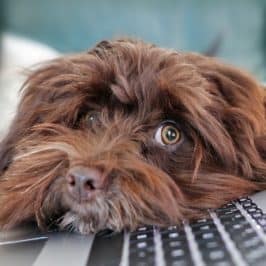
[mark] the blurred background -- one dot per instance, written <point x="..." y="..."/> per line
<point x="37" y="30"/>
<point x="234" y="29"/>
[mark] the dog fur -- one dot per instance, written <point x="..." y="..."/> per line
<point x="132" y="88"/>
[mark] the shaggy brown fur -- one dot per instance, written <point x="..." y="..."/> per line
<point x="131" y="89"/>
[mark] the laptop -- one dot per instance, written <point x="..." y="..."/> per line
<point x="235" y="234"/>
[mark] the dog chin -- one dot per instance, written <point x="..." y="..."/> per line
<point x="87" y="216"/>
<point x="74" y="223"/>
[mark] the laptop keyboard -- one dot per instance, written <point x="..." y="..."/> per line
<point x="234" y="234"/>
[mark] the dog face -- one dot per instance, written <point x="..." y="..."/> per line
<point x="130" y="134"/>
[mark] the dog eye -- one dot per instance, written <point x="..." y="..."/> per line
<point x="92" y="118"/>
<point x="168" y="134"/>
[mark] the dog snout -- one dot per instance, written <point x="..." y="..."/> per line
<point x="83" y="182"/>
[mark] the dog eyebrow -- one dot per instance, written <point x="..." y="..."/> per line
<point x="123" y="92"/>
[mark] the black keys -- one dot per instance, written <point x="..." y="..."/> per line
<point x="241" y="232"/>
<point x="210" y="243"/>
<point x="254" y="211"/>
<point x="175" y="246"/>
<point x="141" y="247"/>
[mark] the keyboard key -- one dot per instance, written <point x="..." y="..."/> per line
<point x="140" y="236"/>
<point x="217" y="255"/>
<point x="255" y="255"/>
<point x="173" y="235"/>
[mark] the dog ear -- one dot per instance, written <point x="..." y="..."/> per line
<point x="237" y="88"/>
<point x="241" y="103"/>
<point x="260" y="141"/>
<point x="6" y="154"/>
<point x="8" y="143"/>
<point x="26" y="116"/>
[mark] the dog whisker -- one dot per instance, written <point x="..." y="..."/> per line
<point x="33" y="151"/>
<point x="43" y="178"/>
<point x="56" y="146"/>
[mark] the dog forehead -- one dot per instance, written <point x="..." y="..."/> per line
<point x="130" y="75"/>
<point x="145" y="74"/>
<point x="132" y="68"/>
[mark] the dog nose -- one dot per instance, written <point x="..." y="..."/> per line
<point x="83" y="182"/>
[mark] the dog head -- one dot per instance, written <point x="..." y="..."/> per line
<point x="129" y="134"/>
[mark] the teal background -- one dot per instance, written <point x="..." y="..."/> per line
<point x="70" y="26"/>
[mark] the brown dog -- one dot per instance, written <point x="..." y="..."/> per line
<point x="130" y="134"/>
